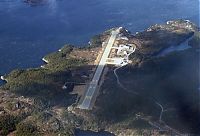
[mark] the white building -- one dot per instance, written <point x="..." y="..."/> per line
<point x="117" y="61"/>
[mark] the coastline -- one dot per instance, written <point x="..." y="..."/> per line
<point x="3" y="79"/>
<point x="112" y="129"/>
<point x="46" y="61"/>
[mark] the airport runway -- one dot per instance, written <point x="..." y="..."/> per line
<point x="86" y="103"/>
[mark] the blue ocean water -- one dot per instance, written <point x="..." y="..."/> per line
<point x="27" y="32"/>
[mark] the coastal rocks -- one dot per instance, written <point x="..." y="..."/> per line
<point x="149" y="81"/>
<point x="99" y="40"/>
<point x="114" y="101"/>
<point x="45" y="60"/>
<point x="2" y="78"/>
<point x="159" y="37"/>
<point x="13" y="74"/>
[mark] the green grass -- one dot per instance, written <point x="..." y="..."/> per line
<point x="26" y="129"/>
<point x="45" y="84"/>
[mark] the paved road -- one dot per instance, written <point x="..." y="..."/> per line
<point x="86" y="103"/>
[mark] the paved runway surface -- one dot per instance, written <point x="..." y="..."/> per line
<point x="86" y="103"/>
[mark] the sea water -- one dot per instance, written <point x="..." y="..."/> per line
<point x="27" y="33"/>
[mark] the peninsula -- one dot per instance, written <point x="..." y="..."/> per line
<point x="127" y="84"/>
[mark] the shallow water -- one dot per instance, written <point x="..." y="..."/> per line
<point x="173" y="48"/>
<point x="27" y="32"/>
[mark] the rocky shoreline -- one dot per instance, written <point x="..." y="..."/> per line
<point x="116" y="110"/>
<point x="4" y="79"/>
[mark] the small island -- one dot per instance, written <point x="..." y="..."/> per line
<point x="149" y="86"/>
